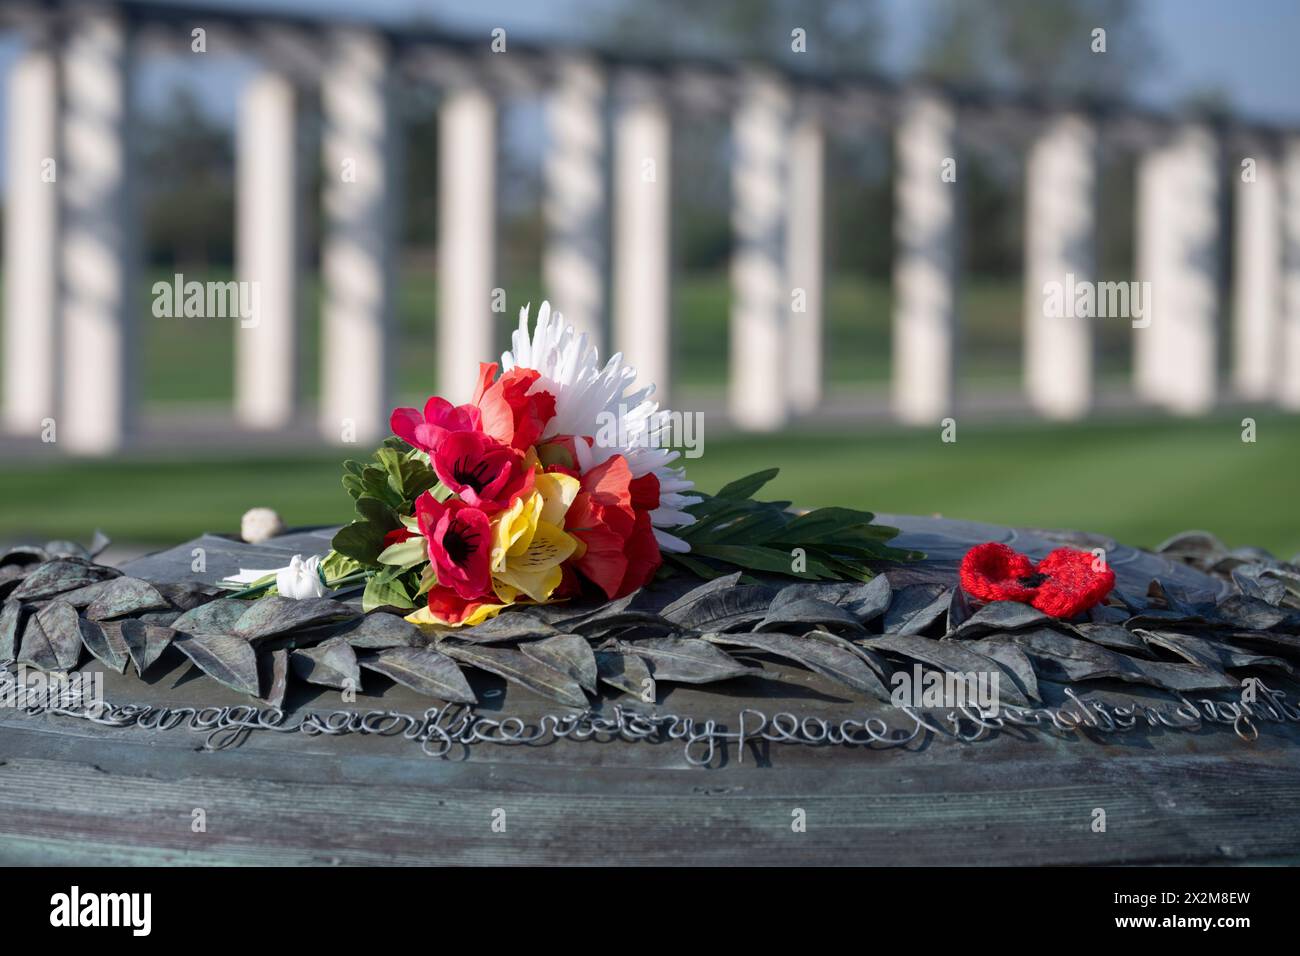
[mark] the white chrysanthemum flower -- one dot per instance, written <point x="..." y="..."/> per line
<point x="588" y="397"/>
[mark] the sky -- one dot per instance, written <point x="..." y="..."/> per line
<point x="1244" y="49"/>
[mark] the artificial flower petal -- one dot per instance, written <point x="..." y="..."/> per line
<point x="427" y="430"/>
<point x="557" y="492"/>
<point x="1063" y="584"/>
<point x="514" y="527"/>
<point x="481" y="470"/>
<point x="512" y="411"/>
<point x="446" y="610"/>
<point x="535" y="585"/>
<point x="536" y="571"/>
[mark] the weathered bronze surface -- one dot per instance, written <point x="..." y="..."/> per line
<point x="347" y="784"/>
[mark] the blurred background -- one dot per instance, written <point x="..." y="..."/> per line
<point x="1126" y="470"/>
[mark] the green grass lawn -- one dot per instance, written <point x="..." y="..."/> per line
<point x="1138" y="482"/>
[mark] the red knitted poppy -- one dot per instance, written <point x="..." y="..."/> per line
<point x="1062" y="584"/>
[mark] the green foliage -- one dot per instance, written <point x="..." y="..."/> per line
<point x="842" y="34"/>
<point x="336" y="566"/>
<point x="1043" y="47"/>
<point x="732" y="529"/>
<point x="384" y="490"/>
<point x="405" y="554"/>
<point x="388" y="588"/>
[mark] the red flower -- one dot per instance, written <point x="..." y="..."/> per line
<point x="1063" y="584"/>
<point x="994" y="572"/>
<point x="1073" y="584"/>
<point x="481" y="470"/>
<point x="426" y="431"/>
<point x="645" y="492"/>
<point x="398" y="535"/>
<point x="460" y="541"/>
<point x="620" y="551"/>
<point x="643" y="557"/>
<point x="509" y="413"/>
<point x="602" y="530"/>
<point x="610" y="484"/>
<point x="503" y="409"/>
<point x="448" y="606"/>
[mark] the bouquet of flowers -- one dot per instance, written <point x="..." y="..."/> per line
<point x="554" y="481"/>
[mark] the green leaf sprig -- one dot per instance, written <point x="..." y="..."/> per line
<point x="732" y="530"/>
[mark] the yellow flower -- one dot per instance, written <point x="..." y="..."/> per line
<point x="557" y="493"/>
<point x="477" y="616"/>
<point x="528" y="541"/>
<point x="512" y="529"/>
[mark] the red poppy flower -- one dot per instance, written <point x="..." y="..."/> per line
<point x="426" y="430"/>
<point x="509" y="412"/>
<point x="620" y="551"/>
<point x="481" y="470"/>
<point x="449" y="607"/>
<point x="460" y="541"/>
<point x="1063" y="584"/>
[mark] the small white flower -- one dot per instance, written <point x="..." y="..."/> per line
<point x="301" y="579"/>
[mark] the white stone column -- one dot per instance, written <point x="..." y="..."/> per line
<point x="98" y="257"/>
<point x="1176" y="357"/>
<point x="358" y="250"/>
<point x="1151" y="257"/>
<point x="573" y="259"/>
<point x="760" y="294"/>
<point x="925" y="260"/>
<point x="31" y="279"/>
<point x="805" y="264"/>
<point x="467" y="162"/>
<point x="643" y="232"/>
<point x="266" y="235"/>
<point x="1061" y="174"/>
<point x="1257" y="285"/>
<point x="1288" y="392"/>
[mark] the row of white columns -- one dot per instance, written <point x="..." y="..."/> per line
<point x="1172" y="303"/>
<point x="80" y="221"/>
